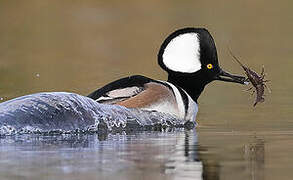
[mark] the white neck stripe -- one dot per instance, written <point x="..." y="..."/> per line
<point x="179" y="100"/>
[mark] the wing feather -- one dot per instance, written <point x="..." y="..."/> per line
<point x="120" y="90"/>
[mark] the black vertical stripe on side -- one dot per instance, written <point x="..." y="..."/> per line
<point x="170" y="87"/>
<point x="183" y="96"/>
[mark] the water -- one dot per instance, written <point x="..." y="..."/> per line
<point x="177" y="154"/>
<point x="86" y="157"/>
<point x="74" y="46"/>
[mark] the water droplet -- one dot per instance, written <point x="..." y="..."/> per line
<point x="38" y="75"/>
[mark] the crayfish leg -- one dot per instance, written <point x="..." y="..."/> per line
<point x="249" y="89"/>
<point x="262" y="70"/>
<point x="263" y="74"/>
<point x="268" y="88"/>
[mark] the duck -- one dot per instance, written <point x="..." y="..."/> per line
<point x="189" y="56"/>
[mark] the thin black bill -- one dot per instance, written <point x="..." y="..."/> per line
<point x="224" y="76"/>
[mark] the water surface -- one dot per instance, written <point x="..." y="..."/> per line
<point x="177" y="154"/>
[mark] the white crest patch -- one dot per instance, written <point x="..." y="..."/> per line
<point x="182" y="54"/>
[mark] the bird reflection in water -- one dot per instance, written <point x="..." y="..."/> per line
<point x="202" y="162"/>
<point x="190" y="163"/>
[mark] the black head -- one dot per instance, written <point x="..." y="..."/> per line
<point x="190" y="57"/>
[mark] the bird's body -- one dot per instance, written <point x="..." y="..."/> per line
<point x="147" y="94"/>
<point x="189" y="56"/>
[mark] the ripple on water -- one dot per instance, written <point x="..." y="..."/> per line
<point x="61" y="112"/>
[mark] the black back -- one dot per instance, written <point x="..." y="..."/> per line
<point x="136" y="80"/>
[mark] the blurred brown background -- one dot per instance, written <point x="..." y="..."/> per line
<point x="78" y="46"/>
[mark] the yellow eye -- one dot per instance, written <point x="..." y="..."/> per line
<point x="209" y="66"/>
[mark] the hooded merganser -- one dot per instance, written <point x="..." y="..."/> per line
<point x="190" y="58"/>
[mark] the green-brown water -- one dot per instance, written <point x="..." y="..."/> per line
<point x="78" y="46"/>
